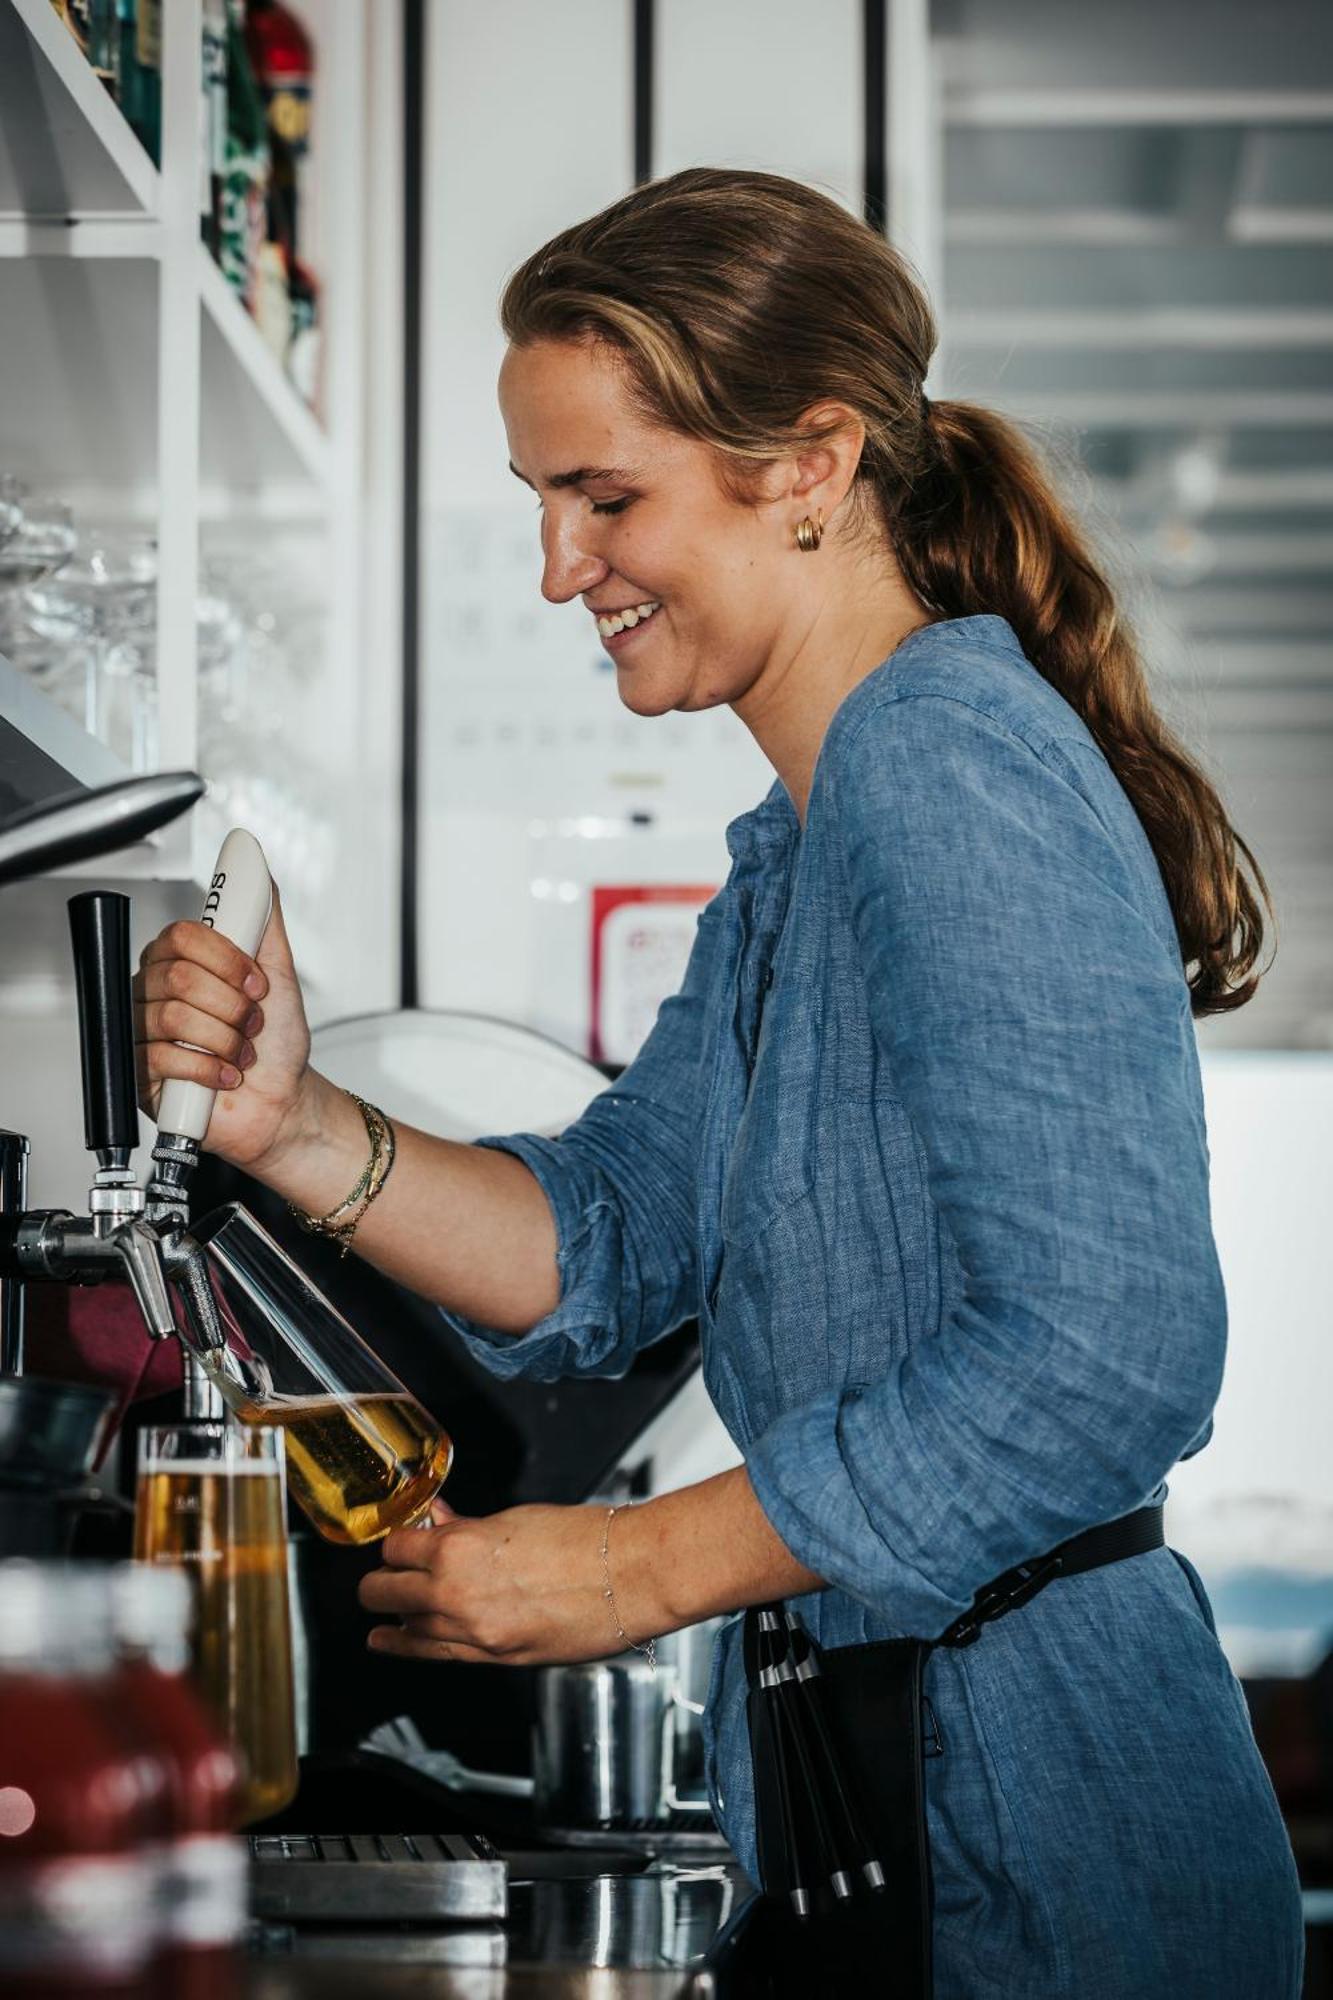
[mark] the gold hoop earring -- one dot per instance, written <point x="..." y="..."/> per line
<point x="810" y="534"/>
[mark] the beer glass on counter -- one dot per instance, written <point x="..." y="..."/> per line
<point x="210" y="1502"/>
<point x="363" y="1456"/>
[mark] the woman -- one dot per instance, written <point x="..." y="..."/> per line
<point x="920" y="1141"/>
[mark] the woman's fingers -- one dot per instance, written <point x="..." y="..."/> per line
<point x="180" y="982"/>
<point x="414" y="1548"/>
<point x="412" y="1645"/>
<point x="178" y="1021"/>
<point x="190" y="1023"/>
<point x="198" y="944"/>
<point x="403" y="1591"/>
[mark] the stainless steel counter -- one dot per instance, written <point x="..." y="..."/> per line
<point x="643" y="1934"/>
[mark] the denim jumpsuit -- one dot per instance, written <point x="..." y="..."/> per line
<point x="920" y="1142"/>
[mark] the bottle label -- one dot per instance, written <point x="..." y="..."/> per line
<point x="203" y="1888"/>
<point x="289" y="115"/>
<point x="92" y="1914"/>
<point x="244" y="219"/>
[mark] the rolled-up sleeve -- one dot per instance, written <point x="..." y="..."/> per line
<point x="1025" y="987"/>
<point x="620" y="1183"/>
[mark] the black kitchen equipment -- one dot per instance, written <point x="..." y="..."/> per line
<point x="80" y="825"/>
<point x="51" y="1436"/>
<point x="50" y="1432"/>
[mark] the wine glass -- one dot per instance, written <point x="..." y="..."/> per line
<point x="11" y="507"/>
<point x="102" y="606"/>
<point x="39" y="543"/>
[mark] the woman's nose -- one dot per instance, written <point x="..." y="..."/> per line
<point x="567" y="568"/>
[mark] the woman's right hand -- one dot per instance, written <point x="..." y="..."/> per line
<point x="247" y="1026"/>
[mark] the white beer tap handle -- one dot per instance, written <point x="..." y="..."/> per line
<point x="237" y="906"/>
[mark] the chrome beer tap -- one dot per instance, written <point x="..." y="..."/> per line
<point x="139" y="1235"/>
<point x="123" y="1235"/>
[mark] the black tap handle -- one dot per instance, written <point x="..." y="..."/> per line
<point x="99" y="924"/>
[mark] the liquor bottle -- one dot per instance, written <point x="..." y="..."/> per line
<point x="101" y="41"/>
<point x="247" y="168"/>
<point x="213" y="116"/>
<point x="137" y="55"/>
<point x="283" y="62"/>
<point x="148" y="56"/>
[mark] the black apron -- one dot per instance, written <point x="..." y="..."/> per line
<point x="876" y="1725"/>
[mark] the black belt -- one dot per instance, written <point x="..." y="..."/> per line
<point x="870" y="1704"/>
<point x="1132" y="1535"/>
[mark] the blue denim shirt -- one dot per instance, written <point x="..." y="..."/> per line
<point x="921" y="1144"/>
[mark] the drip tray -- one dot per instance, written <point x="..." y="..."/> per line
<point x="390" y="1878"/>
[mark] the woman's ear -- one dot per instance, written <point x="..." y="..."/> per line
<point x="822" y="475"/>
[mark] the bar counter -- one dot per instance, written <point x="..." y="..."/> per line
<point x="638" y="1936"/>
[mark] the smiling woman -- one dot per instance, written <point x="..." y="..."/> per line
<point x="920" y="1141"/>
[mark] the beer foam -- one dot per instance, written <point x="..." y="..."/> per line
<point x="217" y="1468"/>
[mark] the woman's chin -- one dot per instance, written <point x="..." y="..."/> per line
<point x="646" y="694"/>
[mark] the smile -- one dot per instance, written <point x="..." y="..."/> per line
<point x="612" y="622"/>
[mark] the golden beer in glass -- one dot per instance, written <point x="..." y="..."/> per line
<point x="359" y="1467"/>
<point x="210" y="1502"/>
<point x="363" y="1456"/>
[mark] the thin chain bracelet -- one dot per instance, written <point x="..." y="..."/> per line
<point x="649" y="1651"/>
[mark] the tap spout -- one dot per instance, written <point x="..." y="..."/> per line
<point x="140" y="1250"/>
<point x="187" y="1268"/>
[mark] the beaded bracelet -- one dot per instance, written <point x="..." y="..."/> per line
<point x="650" y="1650"/>
<point x="340" y="1224"/>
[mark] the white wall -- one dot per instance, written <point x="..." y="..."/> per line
<point x="1270" y="1130"/>
<point x="531" y="768"/>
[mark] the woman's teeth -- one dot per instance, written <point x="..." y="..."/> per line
<point x="619" y="620"/>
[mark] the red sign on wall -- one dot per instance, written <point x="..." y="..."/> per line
<point x="641" y="940"/>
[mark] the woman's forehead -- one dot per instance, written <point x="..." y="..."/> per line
<point x="567" y="408"/>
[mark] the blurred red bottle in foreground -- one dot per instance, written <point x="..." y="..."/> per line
<point x="77" y="1797"/>
<point x="201" y="1878"/>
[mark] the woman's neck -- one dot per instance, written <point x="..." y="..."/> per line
<point x="789" y="708"/>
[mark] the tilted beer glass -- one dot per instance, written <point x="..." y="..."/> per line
<point x="363" y="1456"/>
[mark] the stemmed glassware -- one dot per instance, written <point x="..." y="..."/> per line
<point x="78" y="617"/>
<point x="102" y="606"/>
<point x="38" y="543"/>
<point x="11" y="507"/>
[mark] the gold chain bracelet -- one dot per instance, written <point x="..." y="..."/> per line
<point x="649" y="1651"/>
<point x="340" y="1224"/>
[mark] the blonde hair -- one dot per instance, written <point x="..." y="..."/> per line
<point x="738" y="301"/>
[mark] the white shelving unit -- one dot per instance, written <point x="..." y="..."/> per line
<point x="135" y="385"/>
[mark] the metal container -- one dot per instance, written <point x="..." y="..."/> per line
<point x="619" y="1746"/>
<point x="50" y="1435"/>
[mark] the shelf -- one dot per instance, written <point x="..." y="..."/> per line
<point x="66" y="150"/>
<point x="78" y="375"/>
<point x="79" y="388"/>
<point x="256" y="428"/>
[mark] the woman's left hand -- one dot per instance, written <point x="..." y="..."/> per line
<point x="520" y="1588"/>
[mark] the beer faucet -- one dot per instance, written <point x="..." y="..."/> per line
<point x="139" y="1235"/>
<point x="124" y="1234"/>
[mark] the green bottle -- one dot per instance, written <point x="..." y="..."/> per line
<point x="244" y="219"/>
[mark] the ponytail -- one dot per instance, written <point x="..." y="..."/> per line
<point x="983" y="531"/>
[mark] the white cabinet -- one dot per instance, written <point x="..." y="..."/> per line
<point x="134" y="385"/>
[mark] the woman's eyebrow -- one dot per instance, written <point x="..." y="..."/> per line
<point x="616" y="474"/>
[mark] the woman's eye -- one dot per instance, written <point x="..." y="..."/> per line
<point x="609" y="506"/>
